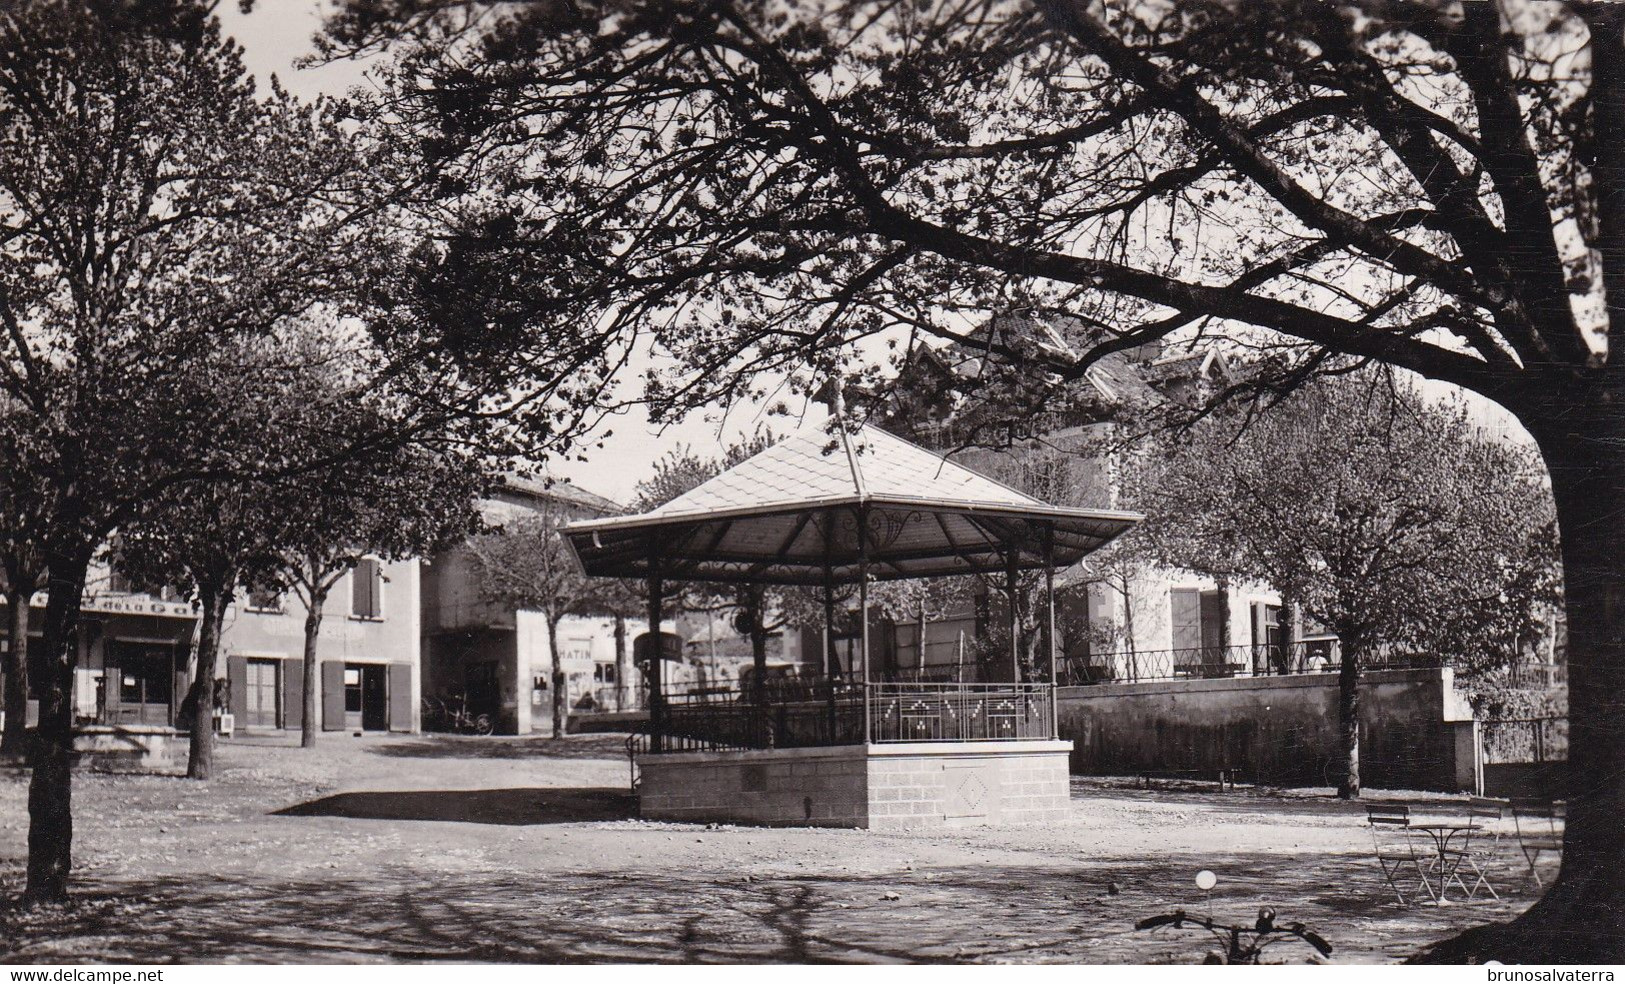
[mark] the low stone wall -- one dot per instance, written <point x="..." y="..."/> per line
<point x="130" y="746"/>
<point x="927" y="784"/>
<point x="822" y="787"/>
<point x="605" y="721"/>
<point x="1534" y="780"/>
<point x="1417" y="732"/>
<point x="875" y="786"/>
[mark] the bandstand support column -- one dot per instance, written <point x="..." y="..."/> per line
<point x="657" y="696"/>
<point x="1014" y="619"/>
<point x="1049" y="605"/>
<point x="863" y="613"/>
<point x="830" y="673"/>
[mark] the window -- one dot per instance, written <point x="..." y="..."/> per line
<point x="1266" y="624"/>
<point x="366" y="590"/>
<point x="352" y="690"/>
<point x="263" y="598"/>
<point x="118" y="582"/>
<point x="145" y="673"/>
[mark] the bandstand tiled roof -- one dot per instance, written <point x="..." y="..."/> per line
<point x="820" y="506"/>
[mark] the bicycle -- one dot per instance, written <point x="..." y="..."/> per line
<point x="1263" y="933"/>
<point x="452" y="714"/>
<point x="465" y="723"/>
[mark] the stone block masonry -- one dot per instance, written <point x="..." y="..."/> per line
<point x="889" y="786"/>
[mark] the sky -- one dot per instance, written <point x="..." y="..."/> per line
<point x="275" y="36"/>
<point x="278" y="33"/>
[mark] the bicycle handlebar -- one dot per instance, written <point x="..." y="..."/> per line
<point x="1179" y="917"/>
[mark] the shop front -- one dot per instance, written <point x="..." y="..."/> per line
<point x="131" y="669"/>
<point x="133" y="660"/>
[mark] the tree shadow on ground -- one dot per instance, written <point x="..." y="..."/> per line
<point x="593" y="746"/>
<point x="1053" y="911"/>
<point x="511" y="807"/>
<point x="1249" y="798"/>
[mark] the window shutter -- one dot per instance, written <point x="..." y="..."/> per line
<point x="112" y="684"/>
<point x="1212" y="623"/>
<point x="1186" y="612"/>
<point x="358" y="590"/>
<point x="237" y="682"/>
<point x="332" y="696"/>
<point x="364" y="589"/>
<point x="293" y="693"/>
<point x="400" y="697"/>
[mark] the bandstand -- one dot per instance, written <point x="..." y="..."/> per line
<point x="828" y="510"/>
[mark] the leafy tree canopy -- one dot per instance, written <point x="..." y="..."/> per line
<point x="1383" y="515"/>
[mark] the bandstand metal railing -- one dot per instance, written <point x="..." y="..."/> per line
<point x="818" y="715"/>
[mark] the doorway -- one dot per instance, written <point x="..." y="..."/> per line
<point x="366" y="697"/>
<point x="481" y="692"/>
<point x="260" y="696"/>
<point x="142" y="684"/>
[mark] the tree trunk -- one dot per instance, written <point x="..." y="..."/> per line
<point x="561" y="700"/>
<point x="758" y="644"/>
<point x="15" y="738"/>
<point x="214" y="599"/>
<point x="754" y="602"/>
<point x="1128" y="630"/>
<point x="312" y="696"/>
<point x="1582" y="917"/>
<point x="919" y="638"/>
<point x="620" y="662"/>
<point x="1288" y="619"/>
<point x="186" y="715"/>
<point x="50" y="787"/>
<point x="1352" y="643"/>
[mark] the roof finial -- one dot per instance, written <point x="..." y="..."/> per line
<point x="832" y="394"/>
<point x="837" y="399"/>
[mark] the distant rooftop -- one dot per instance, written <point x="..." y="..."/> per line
<point x="562" y="490"/>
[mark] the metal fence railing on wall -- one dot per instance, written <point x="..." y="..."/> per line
<point x="1536" y="675"/>
<point x="1220" y="662"/>
<point x="1532" y="741"/>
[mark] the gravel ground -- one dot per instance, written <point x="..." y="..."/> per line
<point x="407" y="848"/>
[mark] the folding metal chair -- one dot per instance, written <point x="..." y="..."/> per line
<point x="1477" y="851"/>
<point x="1395" y="847"/>
<point x="1539" y="825"/>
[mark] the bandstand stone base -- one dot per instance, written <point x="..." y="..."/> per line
<point x="883" y="786"/>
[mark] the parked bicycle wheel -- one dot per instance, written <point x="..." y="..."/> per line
<point x="482" y="725"/>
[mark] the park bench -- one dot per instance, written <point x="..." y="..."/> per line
<point x="1226" y="778"/>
